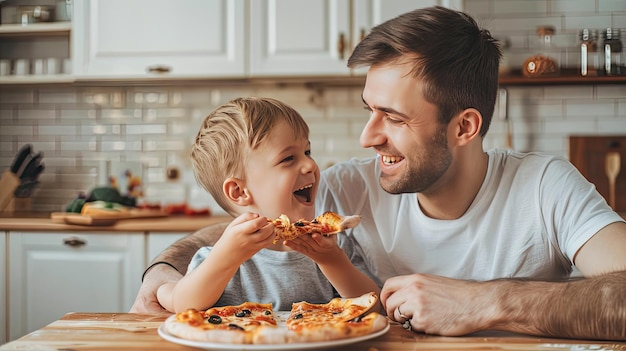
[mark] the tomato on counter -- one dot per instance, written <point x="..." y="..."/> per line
<point x="197" y="211"/>
<point x="183" y="208"/>
<point x="150" y="206"/>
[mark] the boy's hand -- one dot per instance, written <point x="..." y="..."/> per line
<point x="245" y="236"/>
<point x="321" y="249"/>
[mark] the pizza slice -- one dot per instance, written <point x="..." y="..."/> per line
<point x="338" y="319"/>
<point x="228" y="324"/>
<point x="326" y="224"/>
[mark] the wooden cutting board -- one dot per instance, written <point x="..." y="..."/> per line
<point x="94" y="220"/>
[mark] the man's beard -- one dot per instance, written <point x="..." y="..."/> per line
<point x="425" y="167"/>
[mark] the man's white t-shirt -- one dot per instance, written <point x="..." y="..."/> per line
<point x="530" y="217"/>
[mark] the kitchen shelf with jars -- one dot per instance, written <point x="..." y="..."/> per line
<point x="600" y="60"/>
<point x="35" y="42"/>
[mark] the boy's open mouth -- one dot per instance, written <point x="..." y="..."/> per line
<point x="304" y="193"/>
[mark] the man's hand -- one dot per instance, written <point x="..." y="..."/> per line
<point x="439" y="305"/>
<point x="146" y="300"/>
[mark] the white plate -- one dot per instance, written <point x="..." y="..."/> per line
<point x="268" y="347"/>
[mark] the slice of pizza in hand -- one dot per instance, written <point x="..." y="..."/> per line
<point x="326" y="224"/>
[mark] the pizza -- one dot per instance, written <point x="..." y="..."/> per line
<point x="326" y="224"/>
<point x="255" y="323"/>
<point x="228" y="324"/>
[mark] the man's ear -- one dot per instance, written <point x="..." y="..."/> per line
<point x="467" y="126"/>
<point x="236" y="192"/>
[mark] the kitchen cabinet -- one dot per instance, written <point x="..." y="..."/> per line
<point x="158" y="242"/>
<point x="50" y="274"/>
<point x="143" y="38"/>
<point x="289" y="37"/>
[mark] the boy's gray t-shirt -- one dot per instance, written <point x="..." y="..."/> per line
<point x="280" y="278"/>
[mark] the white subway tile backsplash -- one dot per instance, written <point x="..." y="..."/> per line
<point x="614" y="126"/>
<point x="25" y="113"/>
<point x="568" y="92"/>
<point x="122" y="115"/>
<point x="11" y="131"/>
<point x="578" y="23"/>
<point x="570" y="7"/>
<point x="52" y="96"/>
<point x="571" y="127"/>
<point x="527" y="24"/>
<point x="506" y="7"/>
<point x="329" y="129"/>
<point x="62" y="130"/>
<point x="12" y="96"/>
<point x="612" y="92"/>
<point x="68" y="145"/>
<point x="143" y="129"/>
<point x="611" y="6"/>
<point x="586" y="109"/>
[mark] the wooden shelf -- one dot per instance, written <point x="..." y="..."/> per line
<point x="565" y="77"/>
<point x="568" y="77"/>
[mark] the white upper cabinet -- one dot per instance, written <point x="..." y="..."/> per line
<point x="299" y="37"/>
<point x="303" y="37"/>
<point x="224" y="38"/>
<point x="183" y="38"/>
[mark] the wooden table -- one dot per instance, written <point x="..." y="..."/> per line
<point x="124" y="331"/>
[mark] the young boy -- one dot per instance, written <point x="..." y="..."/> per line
<point x="253" y="155"/>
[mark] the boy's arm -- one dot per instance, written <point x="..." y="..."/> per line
<point x="202" y="287"/>
<point x="178" y="255"/>
<point x="345" y="277"/>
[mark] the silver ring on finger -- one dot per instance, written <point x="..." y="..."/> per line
<point x="400" y="317"/>
<point x="404" y="320"/>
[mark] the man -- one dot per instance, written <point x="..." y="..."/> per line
<point x="464" y="240"/>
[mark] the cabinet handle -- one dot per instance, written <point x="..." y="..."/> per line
<point x="159" y="69"/>
<point x="74" y="242"/>
<point x="341" y="45"/>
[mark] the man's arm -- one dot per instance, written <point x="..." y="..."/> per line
<point x="178" y="255"/>
<point x="590" y="308"/>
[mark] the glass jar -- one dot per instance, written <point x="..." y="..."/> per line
<point x="589" y="59"/>
<point x="544" y="63"/>
<point x="612" y="50"/>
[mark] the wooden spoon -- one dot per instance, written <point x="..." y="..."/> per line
<point x="612" y="167"/>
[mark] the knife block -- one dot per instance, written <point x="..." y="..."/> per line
<point x="8" y="183"/>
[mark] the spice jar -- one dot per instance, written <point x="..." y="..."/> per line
<point x="544" y="62"/>
<point x="589" y="60"/>
<point x="612" y="49"/>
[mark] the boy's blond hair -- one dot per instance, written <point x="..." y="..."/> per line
<point x="227" y="135"/>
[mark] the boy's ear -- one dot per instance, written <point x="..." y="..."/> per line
<point x="235" y="191"/>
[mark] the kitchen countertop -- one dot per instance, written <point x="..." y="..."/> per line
<point x="40" y="221"/>
<point x="127" y="331"/>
